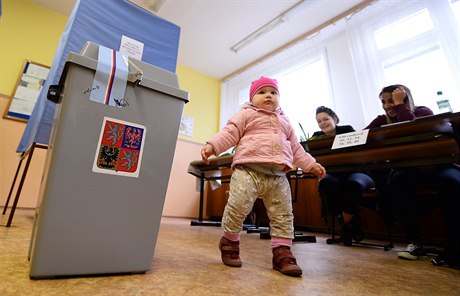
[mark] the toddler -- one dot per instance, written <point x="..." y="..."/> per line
<point x="266" y="148"/>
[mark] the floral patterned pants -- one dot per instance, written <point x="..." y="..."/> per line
<point x="246" y="185"/>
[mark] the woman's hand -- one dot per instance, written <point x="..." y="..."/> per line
<point x="398" y="96"/>
<point x="318" y="170"/>
<point x="207" y="151"/>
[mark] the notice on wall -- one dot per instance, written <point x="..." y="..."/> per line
<point x="350" y="139"/>
<point x="131" y="47"/>
<point x="186" y="125"/>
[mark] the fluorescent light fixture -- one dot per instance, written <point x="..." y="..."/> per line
<point x="256" y="34"/>
<point x="281" y="18"/>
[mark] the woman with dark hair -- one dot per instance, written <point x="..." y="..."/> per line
<point x="398" y="105"/>
<point x="341" y="193"/>
<point x="327" y="121"/>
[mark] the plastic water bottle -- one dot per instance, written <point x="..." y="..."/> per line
<point x="443" y="103"/>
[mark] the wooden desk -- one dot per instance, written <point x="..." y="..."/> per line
<point x="217" y="169"/>
<point x="425" y="141"/>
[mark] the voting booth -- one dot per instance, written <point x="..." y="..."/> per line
<point x="116" y="24"/>
<point x="107" y="167"/>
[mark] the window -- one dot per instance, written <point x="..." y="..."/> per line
<point x="411" y="43"/>
<point x="304" y="84"/>
<point x="303" y="90"/>
<point x="403" y="29"/>
<point x="455" y="4"/>
<point x="412" y="53"/>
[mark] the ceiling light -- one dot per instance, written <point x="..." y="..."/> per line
<point x="281" y="18"/>
<point x="256" y="34"/>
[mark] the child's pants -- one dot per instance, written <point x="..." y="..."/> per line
<point x="246" y="186"/>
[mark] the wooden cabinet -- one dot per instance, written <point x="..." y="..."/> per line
<point x="306" y="203"/>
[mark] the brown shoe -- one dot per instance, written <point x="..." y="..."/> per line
<point x="230" y="252"/>
<point x="285" y="262"/>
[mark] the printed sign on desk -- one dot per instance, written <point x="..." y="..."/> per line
<point x="350" y="139"/>
<point x="120" y="147"/>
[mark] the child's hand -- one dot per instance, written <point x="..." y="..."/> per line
<point x="318" y="170"/>
<point x="207" y="151"/>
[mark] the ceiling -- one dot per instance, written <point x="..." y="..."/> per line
<point x="209" y="28"/>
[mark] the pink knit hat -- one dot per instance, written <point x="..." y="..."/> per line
<point x="261" y="82"/>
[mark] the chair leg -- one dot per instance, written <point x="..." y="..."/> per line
<point x="386" y="247"/>
<point x="12" y="185"/>
<point x="333" y="239"/>
<point x="390" y="238"/>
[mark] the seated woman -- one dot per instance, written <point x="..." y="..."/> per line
<point x="341" y="193"/>
<point x="402" y="183"/>
<point x="327" y="121"/>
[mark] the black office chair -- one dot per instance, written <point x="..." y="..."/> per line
<point x="371" y="201"/>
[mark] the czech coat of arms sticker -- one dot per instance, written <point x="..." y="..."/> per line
<point x="120" y="147"/>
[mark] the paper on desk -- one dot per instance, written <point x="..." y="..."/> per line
<point x="215" y="184"/>
<point x="350" y="139"/>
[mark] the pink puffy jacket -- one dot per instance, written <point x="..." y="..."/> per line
<point x="262" y="136"/>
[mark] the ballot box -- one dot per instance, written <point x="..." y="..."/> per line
<point x="107" y="167"/>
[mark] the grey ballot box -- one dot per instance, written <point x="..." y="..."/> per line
<point x="91" y="222"/>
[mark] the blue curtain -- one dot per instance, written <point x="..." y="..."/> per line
<point x="103" y="23"/>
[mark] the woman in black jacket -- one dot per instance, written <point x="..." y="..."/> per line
<point x="327" y="121"/>
<point x="341" y="193"/>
